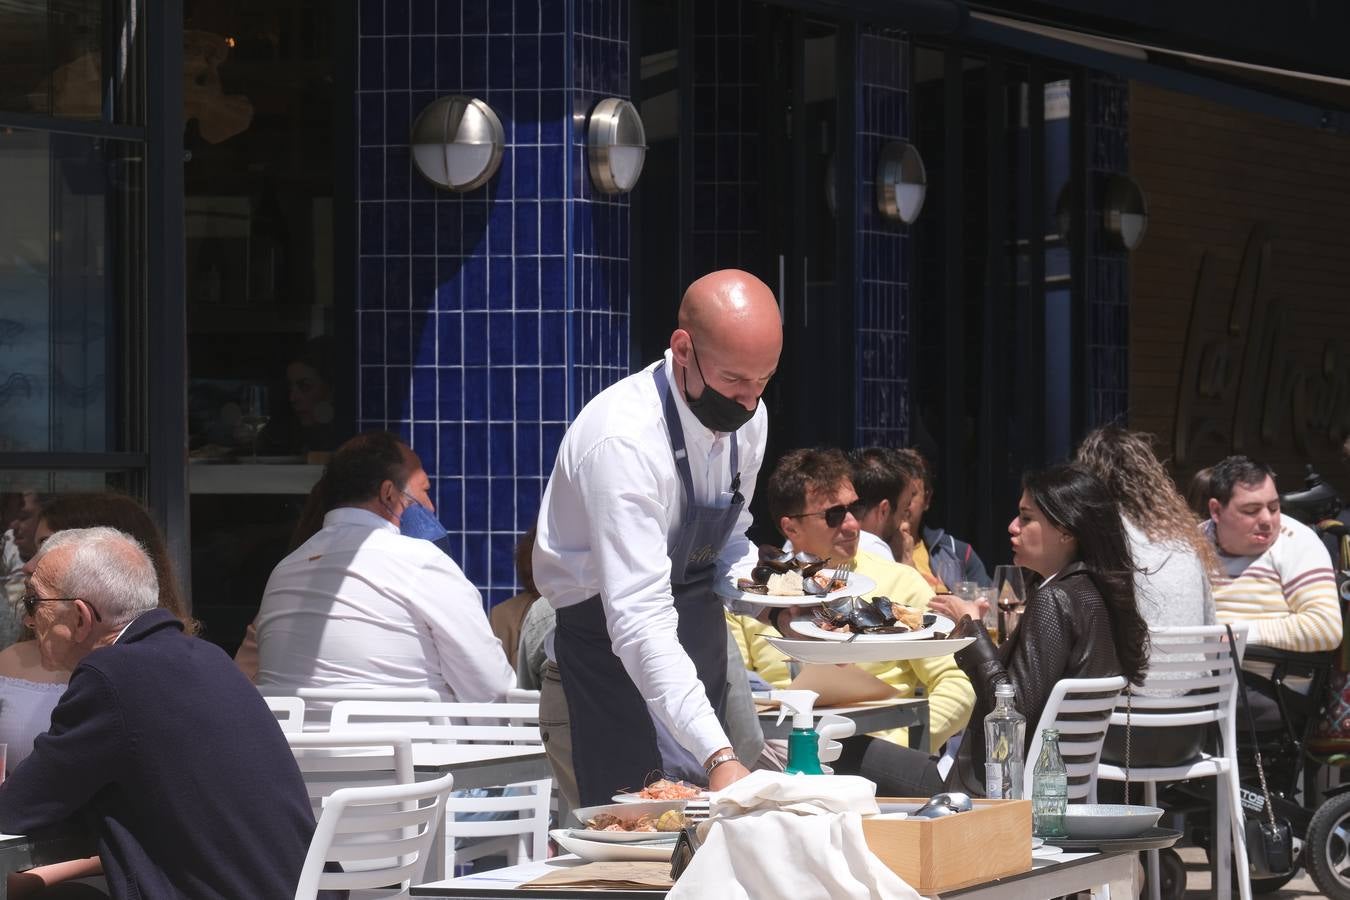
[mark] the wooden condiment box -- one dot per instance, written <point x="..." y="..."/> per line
<point x="993" y="840"/>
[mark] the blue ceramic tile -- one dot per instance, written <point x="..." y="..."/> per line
<point x="552" y="283"/>
<point x="500" y="61"/>
<point x="527" y="395"/>
<point x="370" y="344"/>
<point x="449" y="286"/>
<point x="424" y="284"/>
<point x="526" y="163"/>
<point x="526" y="339"/>
<point x="475" y="562"/>
<point x="398" y="386"/>
<point x="424" y="445"/>
<point x="450" y="396"/>
<point x="371" y="228"/>
<point x="396" y="16"/>
<point x="527" y="227"/>
<point x="396" y="225"/>
<point x="448" y="342"/>
<point x="370" y="17"/>
<point x="501" y="282"/>
<point x="501" y="339"/>
<point x="500" y="230"/>
<point x="423" y="17"/>
<point x="475" y="394"/>
<point x="372" y="392"/>
<point x="397" y="283"/>
<point x="423" y="227"/>
<point x="475" y="448"/>
<point x="501" y="450"/>
<point x="370" y="127"/>
<point x="397" y="339"/>
<point x="397" y="118"/>
<point x="552" y="440"/>
<point x="499" y="17"/>
<point x="502" y="548"/>
<point x="449" y="491"/>
<point x="503" y="514"/>
<point x="371" y="63"/>
<point x="473" y="64"/>
<point x="475" y="339"/>
<point x="526" y="57"/>
<point x="526" y="282"/>
<point x="396" y="59"/>
<point x="552" y="16"/>
<point x="552" y="339"/>
<point x="553" y="398"/>
<point x="529" y="492"/>
<point x="553" y="117"/>
<point x="501" y="393"/>
<point x="473" y="275"/>
<point x="527" y="448"/>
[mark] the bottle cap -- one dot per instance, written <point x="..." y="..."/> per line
<point x="1004" y="689"/>
<point x="799" y="703"/>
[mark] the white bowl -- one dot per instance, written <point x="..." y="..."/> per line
<point x="1096" y="821"/>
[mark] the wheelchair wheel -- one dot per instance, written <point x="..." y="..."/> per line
<point x="1326" y="852"/>
<point x="1172" y="872"/>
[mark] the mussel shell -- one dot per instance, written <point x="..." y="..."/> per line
<point x="775" y="558"/>
<point x="885" y="608"/>
<point x="809" y="569"/>
<point x="747" y="586"/>
<point x="760" y="574"/>
<point x="813" y="588"/>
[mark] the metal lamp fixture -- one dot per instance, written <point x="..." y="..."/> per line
<point x="902" y="182"/>
<point x="457" y="143"/>
<point x="1124" y="211"/>
<point x="616" y="145"/>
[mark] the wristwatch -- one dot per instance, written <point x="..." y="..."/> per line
<point x="724" y="757"/>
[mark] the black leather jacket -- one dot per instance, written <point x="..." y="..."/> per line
<point x="1065" y="632"/>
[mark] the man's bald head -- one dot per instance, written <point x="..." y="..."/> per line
<point x="729" y="328"/>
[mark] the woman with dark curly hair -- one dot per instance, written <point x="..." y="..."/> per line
<point x="1080" y="622"/>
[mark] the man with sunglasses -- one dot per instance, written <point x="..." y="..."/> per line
<point x="812" y="501"/>
<point x="648" y="502"/>
<point x="159" y="743"/>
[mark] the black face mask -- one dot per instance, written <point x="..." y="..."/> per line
<point x="717" y="412"/>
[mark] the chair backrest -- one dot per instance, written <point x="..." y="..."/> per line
<point x="290" y="712"/>
<point x="1080" y="708"/>
<point x="331" y="762"/>
<point x="460" y="723"/>
<point x="1190" y="681"/>
<point x="381" y="836"/>
<point x="514" y="824"/>
<point x="319" y="701"/>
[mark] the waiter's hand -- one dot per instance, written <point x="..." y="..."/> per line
<point x="725" y="774"/>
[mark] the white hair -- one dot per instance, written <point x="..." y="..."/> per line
<point x="108" y="569"/>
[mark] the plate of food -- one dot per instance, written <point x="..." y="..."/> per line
<point x="854" y="619"/>
<point x="859" y="651"/>
<point x="657" y="848"/>
<point x="627" y="823"/>
<point x="665" y="789"/>
<point x="785" y="578"/>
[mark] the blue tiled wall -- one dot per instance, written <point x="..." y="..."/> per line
<point x="1108" y="269"/>
<point x="487" y="319"/>
<point x="882" y="293"/>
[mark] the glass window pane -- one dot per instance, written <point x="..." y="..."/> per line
<point x="76" y="59"/>
<point x="68" y="285"/>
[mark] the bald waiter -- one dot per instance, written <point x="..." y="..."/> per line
<point x="648" y="502"/>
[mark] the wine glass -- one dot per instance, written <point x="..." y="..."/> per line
<point x="1010" y="589"/>
<point x="255" y="414"/>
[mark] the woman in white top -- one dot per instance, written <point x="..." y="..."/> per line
<point x="1172" y="562"/>
<point x="28" y="693"/>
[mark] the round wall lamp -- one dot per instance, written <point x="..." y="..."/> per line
<point x="616" y="145"/>
<point x="902" y="182"/>
<point x="457" y="143"/>
<point x="1124" y="211"/>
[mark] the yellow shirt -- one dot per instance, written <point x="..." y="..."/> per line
<point x="950" y="695"/>
<point x="925" y="567"/>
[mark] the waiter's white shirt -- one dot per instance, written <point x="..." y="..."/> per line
<point x="360" y="605"/>
<point x="609" y="519"/>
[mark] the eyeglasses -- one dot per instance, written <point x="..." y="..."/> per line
<point x="31" y="600"/>
<point x="834" y="516"/>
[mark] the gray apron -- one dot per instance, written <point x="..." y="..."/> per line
<point x="617" y="744"/>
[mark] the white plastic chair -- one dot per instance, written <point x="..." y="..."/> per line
<point x="1080" y="709"/>
<point x="522" y="695"/>
<point x="319" y="701"/>
<point x="459" y="723"/>
<point x="330" y="762"/>
<point x="520" y="838"/>
<point x="289" y="710"/>
<point x="381" y="835"/>
<point x="1212" y="690"/>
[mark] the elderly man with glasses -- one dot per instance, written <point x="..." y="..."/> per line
<point x="812" y="501"/>
<point x="159" y="742"/>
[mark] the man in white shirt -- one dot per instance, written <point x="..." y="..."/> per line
<point x="648" y="502"/>
<point x="361" y="605"/>
<point x="887" y="492"/>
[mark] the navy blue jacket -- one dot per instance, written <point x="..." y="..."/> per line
<point x="953" y="561"/>
<point x="174" y="761"/>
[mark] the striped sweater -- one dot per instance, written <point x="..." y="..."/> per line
<point x="1287" y="594"/>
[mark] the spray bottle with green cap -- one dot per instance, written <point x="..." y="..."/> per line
<point x="803" y="742"/>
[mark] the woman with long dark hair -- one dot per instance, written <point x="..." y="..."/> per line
<point x="1081" y="621"/>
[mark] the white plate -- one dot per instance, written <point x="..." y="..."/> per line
<point x="869" y="651"/>
<point x="809" y="628"/>
<point x="857" y="585"/>
<point x="617" y="837"/>
<point x="1046" y="852"/>
<point x="596" y="851"/>
<point x="634" y="797"/>
<point x="1094" y="821"/>
<point x="626" y="812"/>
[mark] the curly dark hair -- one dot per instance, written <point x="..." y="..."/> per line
<point x="800" y="471"/>
<point x="1076" y="502"/>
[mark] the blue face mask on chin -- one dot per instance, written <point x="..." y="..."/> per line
<point x="419" y="522"/>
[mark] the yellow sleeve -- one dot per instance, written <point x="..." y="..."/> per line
<point x="950" y="697"/>
<point x="760" y="656"/>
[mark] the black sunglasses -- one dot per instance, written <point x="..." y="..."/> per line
<point x="834" y="516"/>
<point x="31" y="600"/>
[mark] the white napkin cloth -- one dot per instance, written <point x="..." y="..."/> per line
<point x="773" y="835"/>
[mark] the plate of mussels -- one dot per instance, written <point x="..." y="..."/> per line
<point x="783" y="578"/>
<point x="871" y="621"/>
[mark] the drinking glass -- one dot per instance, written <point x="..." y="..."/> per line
<point x="255" y="414"/>
<point x="966" y="590"/>
<point x="991" y="611"/>
<point x="1010" y="591"/>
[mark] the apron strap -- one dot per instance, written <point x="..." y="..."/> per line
<point x="677" y="444"/>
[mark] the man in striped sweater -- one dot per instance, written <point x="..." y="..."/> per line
<point x="1277" y="576"/>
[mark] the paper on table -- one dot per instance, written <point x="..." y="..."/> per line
<point x="841" y="685"/>
<point x="614" y="875"/>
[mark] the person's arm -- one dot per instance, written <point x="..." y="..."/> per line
<point x="246" y="657"/>
<point x="1308" y="584"/>
<point x="75" y="759"/>
<point x="950" y="697"/>
<point x="627" y="522"/>
<point x="472" y="661"/>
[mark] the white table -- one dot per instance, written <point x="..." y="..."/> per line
<point x="480" y="765"/>
<point x="877" y="715"/>
<point x="1063" y="874"/>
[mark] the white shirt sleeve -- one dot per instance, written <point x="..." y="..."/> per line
<point x="628" y="526"/>
<point x="471" y="657"/>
